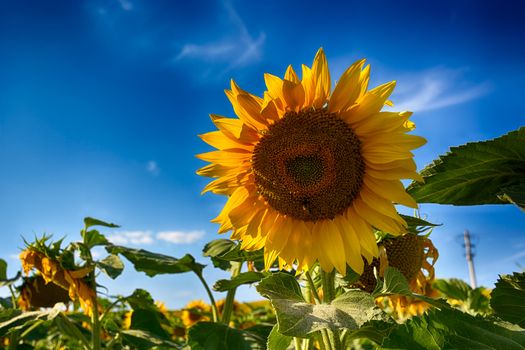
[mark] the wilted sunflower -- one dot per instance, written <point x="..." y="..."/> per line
<point x="414" y="256"/>
<point x="195" y="311"/>
<point x="52" y="272"/>
<point x="309" y="171"/>
<point x="36" y="293"/>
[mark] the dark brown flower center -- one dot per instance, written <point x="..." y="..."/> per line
<point x="309" y="165"/>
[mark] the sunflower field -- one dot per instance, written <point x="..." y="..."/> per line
<point x="313" y="175"/>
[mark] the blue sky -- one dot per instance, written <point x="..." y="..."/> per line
<point x="101" y="102"/>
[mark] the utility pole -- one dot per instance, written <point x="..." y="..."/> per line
<point x="470" y="257"/>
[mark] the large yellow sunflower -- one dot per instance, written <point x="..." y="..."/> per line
<point x="309" y="171"/>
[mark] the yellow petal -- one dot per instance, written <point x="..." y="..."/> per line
<point x="220" y="141"/>
<point x="378" y="220"/>
<point x="372" y="102"/>
<point x="351" y="244"/>
<point x="348" y="88"/>
<point x="321" y="76"/>
<point x="333" y="246"/>
<point x="235" y="128"/>
<point x="392" y="190"/>
<point x="227" y="157"/>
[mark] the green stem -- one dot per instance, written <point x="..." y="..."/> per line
<point x="13" y="298"/>
<point x="230" y="297"/>
<point x="311" y="283"/>
<point x="214" y="311"/>
<point x="328" y="281"/>
<point x="326" y="345"/>
<point x="95" y="321"/>
<point x="297" y="343"/>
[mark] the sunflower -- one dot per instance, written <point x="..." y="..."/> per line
<point x="195" y="311"/>
<point x="36" y="293"/>
<point x="414" y="256"/>
<point x="70" y="280"/>
<point x="309" y="171"/>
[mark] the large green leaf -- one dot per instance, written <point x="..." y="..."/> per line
<point x="476" y="173"/>
<point x="297" y="318"/>
<point x="474" y="301"/>
<point x="93" y="238"/>
<point x="452" y="329"/>
<point x="243" y="278"/>
<point x="508" y="298"/>
<point x="154" y="264"/>
<point x="393" y="283"/>
<point x="21" y="320"/>
<point x="453" y="288"/>
<point x="218" y="336"/>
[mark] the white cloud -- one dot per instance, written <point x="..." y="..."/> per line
<point x="434" y="89"/>
<point x="515" y="256"/>
<point x="238" y="50"/>
<point x="153" y="168"/>
<point x="126" y="5"/>
<point x="180" y="237"/>
<point x="131" y="237"/>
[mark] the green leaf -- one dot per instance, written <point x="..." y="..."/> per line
<point x="222" y="251"/>
<point x="21" y="320"/>
<point x="93" y="238"/>
<point x="243" y="278"/>
<point x="149" y="321"/>
<point x="297" y="318"/>
<point x="393" y="283"/>
<point x="154" y="264"/>
<point x="514" y="194"/>
<point x="141" y="299"/>
<point x="417" y="225"/>
<point x="88" y="222"/>
<point x="452" y="329"/>
<point x="217" y="336"/>
<point x="508" y="298"/>
<point x="143" y="340"/>
<point x="278" y="341"/>
<point x="111" y="265"/>
<point x="475" y="173"/>
<point x="3" y="270"/>
<point x="453" y="288"/>
<point x="68" y="327"/>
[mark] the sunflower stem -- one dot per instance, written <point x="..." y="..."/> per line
<point x="313" y="290"/>
<point x="297" y="343"/>
<point x="328" y="281"/>
<point x="230" y="297"/>
<point x="214" y="311"/>
<point x="95" y="321"/>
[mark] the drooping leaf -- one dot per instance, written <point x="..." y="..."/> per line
<point x="278" y="341"/>
<point x="10" y="281"/>
<point x="154" y="264"/>
<point x="89" y="222"/>
<point x="297" y="318"/>
<point x="243" y="278"/>
<point x="143" y="340"/>
<point x="21" y="320"/>
<point x="452" y="329"/>
<point x="508" y="298"/>
<point x="93" y="238"/>
<point x="417" y="225"/>
<point x="111" y="265"/>
<point x="217" y="336"/>
<point x="222" y="251"/>
<point x="476" y="173"/>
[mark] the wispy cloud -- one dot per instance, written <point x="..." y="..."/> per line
<point x="153" y="168"/>
<point x="238" y="50"/>
<point x="180" y="237"/>
<point x="147" y="237"/>
<point x="131" y="237"/>
<point x="126" y="5"/>
<point x="434" y="89"/>
<point x="515" y="256"/>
